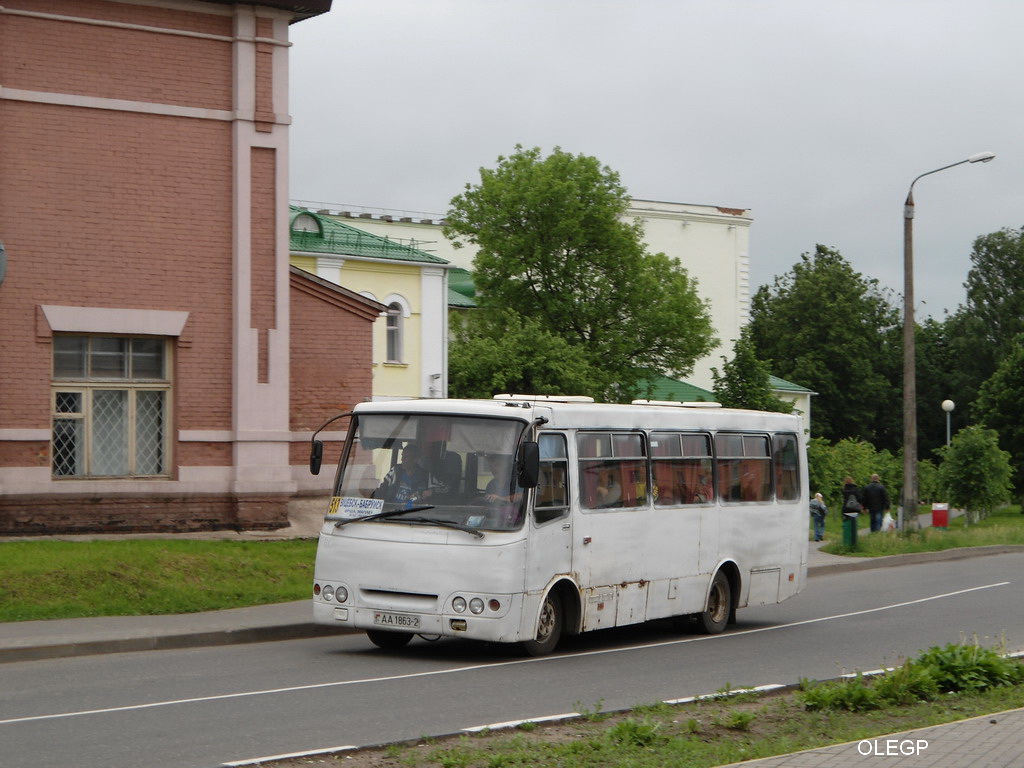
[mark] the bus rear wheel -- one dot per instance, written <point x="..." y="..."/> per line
<point x="716" y="615"/>
<point x="391" y="640"/>
<point x="549" y="627"/>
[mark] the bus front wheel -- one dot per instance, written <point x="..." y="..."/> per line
<point x="714" y="618"/>
<point x="389" y="640"/>
<point x="549" y="627"/>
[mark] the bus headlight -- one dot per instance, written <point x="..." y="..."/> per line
<point x="341" y="594"/>
<point x="476" y="605"/>
<point x="328" y="593"/>
<point x="459" y="604"/>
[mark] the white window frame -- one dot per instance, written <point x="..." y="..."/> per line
<point x="394" y="347"/>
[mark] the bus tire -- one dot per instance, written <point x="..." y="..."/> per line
<point x="549" y="627"/>
<point x="388" y="640"/>
<point x="715" y="616"/>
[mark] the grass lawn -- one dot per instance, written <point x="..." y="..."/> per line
<point x="1005" y="526"/>
<point x="41" y="579"/>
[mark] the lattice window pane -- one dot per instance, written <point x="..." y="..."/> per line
<point x="109" y="454"/>
<point x="68" y="402"/>
<point x="68" y="442"/>
<point x="149" y="432"/>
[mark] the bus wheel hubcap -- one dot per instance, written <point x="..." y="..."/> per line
<point x="547" y="620"/>
<point x="717" y="604"/>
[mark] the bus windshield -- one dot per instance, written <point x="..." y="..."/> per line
<point x="446" y="470"/>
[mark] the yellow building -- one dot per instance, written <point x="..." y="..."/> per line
<point x="410" y="351"/>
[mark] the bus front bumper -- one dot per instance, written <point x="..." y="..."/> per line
<point x="505" y="629"/>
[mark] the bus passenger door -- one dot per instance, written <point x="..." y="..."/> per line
<point x="550" y="547"/>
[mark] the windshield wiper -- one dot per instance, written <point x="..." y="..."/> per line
<point x="338" y="522"/>
<point x="446" y="524"/>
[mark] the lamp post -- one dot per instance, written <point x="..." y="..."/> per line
<point x="909" y="353"/>
<point x="948" y="406"/>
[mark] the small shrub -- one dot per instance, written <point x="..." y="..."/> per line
<point x="907" y="684"/>
<point x="970" y="667"/>
<point x="740" y="721"/>
<point x="636" y="733"/>
<point x="594" y="715"/>
<point x="851" y="695"/>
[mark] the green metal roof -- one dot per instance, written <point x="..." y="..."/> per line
<point x="340" y="239"/>
<point x="665" y="388"/>
<point x="781" y="385"/>
<point x="461" y="290"/>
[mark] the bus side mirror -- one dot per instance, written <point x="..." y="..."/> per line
<point x="529" y="465"/>
<point x="316" y="457"/>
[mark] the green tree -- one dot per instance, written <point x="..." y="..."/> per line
<point x="495" y="352"/>
<point x="983" y="329"/>
<point x="936" y="381"/>
<point x="1001" y="403"/>
<point x="554" y="247"/>
<point x="827" y="327"/>
<point x="828" y="465"/>
<point x="744" y="381"/>
<point x="975" y="472"/>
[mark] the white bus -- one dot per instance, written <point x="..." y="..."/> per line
<point x="525" y="518"/>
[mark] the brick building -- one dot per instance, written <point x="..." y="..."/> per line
<point x="147" y="310"/>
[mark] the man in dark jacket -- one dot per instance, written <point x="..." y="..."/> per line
<point x="876" y="502"/>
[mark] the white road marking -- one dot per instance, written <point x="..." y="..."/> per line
<point x="289" y="756"/>
<point x="517" y="723"/>
<point x="725" y="694"/>
<point x="495" y="665"/>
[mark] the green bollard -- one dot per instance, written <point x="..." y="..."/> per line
<point x="850" y="531"/>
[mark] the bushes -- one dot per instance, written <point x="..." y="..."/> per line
<point x="952" y="669"/>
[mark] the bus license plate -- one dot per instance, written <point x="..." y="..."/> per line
<point x="396" y="620"/>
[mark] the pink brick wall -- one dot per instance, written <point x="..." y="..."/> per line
<point x="110" y="208"/>
<point x="134" y="64"/>
<point x="116" y="209"/>
<point x="331" y="367"/>
<point x="332" y="360"/>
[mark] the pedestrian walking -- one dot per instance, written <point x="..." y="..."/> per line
<point x="818" y="512"/>
<point x="853" y="498"/>
<point x="876" y="501"/>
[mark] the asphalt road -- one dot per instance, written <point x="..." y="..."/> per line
<point x="213" y="706"/>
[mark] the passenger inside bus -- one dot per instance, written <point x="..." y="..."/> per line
<point x="505" y="501"/>
<point x="444" y="466"/>
<point x="609" y="490"/>
<point x="407" y="480"/>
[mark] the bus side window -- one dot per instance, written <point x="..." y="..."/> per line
<point x="743" y="467"/>
<point x="682" y="468"/>
<point x="613" y="469"/>
<point x="552" y="497"/>
<point x="787" y="467"/>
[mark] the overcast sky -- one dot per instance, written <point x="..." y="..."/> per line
<point x="815" y="115"/>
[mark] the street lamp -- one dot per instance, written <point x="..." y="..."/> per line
<point x="909" y="372"/>
<point x="948" y="406"/>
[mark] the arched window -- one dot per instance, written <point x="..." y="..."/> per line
<point x="305" y="222"/>
<point x="394" y="333"/>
